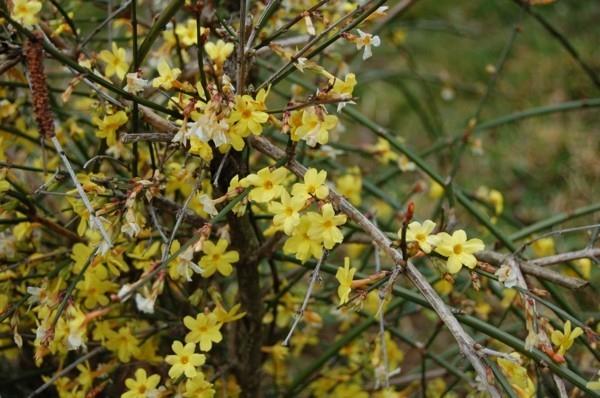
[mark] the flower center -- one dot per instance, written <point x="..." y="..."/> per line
<point x="268" y="184"/>
<point x="457" y="249"/>
<point x="327" y="224"/>
<point x="420" y="237"/>
<point x="184" y="359"/>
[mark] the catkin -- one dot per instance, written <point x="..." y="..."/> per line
<point x="34" y="57"/>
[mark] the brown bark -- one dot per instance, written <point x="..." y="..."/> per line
<point x="249" y="331"/>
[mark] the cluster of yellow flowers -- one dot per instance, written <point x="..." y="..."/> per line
<point x="457" y="249"/>
<point x="309" y="232"/>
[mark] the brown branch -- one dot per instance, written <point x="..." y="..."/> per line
<point x="189" y="216"/>
<point x="59" y="229"/>
<point x="150" y="137"/>
<point x="498" y="259"/>
<point x="565" y="257"/>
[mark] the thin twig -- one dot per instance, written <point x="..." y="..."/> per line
<point x="66" y="370"/>
<point x="300" y="312"/>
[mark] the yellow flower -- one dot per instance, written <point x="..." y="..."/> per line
<point x="383" y="151"/>
<point x="543" y="247"/>
<point x="25" y="11"/>
<point x="218" y="52"/>
<point x="267" y="184"/>
<point x="517" y="376"/>
<point x="345" y="276"/>
<point x="93" y="289"/>
<point x="301" y="244"/>
<point x="187" y="33"/>
<point x="350" y="185"/>
<point x="564" y="340"/>
<point x="584" y="266"/>
<point x="198" y="387"/>
<point x="286" y="214"/>
<point x="108" y="126"/>
<point x="204" y="329"/>
<point x="115" y="61"/>
<point x="495" y="197"/>
<point x="313" y="185"/>
<point x="247" y="117"/>
<point x="224" y="316"/>
<point x="315" y="126"/>
<point x="167" y="76"/>
<point x="325" y="226"/>
<point x="435" y="190"/>
<point x="184" y="361"/>
<point x="142" y="386"/>
<point x="23" y="230"/>
<point x="217" y="259"/>
<point x="594" y="385"/>
<point x="123" y="343"/>
<point x="345" y="87"/>
<point x="420" y="233"/>
<point x="458" y="249"/>
<point x="142" y="254"/>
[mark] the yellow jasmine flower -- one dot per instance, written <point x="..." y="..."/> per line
<point x="383" y="151"/>
<point x="594" y="385"/>
<point x="217" y="259"/>
<point x="115" y="61"/>
<point x="315" y="126"/>
<point x="200" y="148"/>
<point x="325" y="226"/>
<point x="543" y="247"/>
<point x="301" y="244"/>
<point x="286" y="214"/>
<point x="405" y="164"/>
<point x="108" y="126"/>
<point x="198" y="387"/>
<point x="247" y="117"/>
<point x="345" y="276"/>
<point x="23" y="231"/>
<point x="25" y="11"/>
<point x="420" y="233"/>
<point x="261" y="98"/>
<point x="204" y="329"/>
<point x="224" y="316"/>
<point x="495" y="197"/>
<point x="267" y="184"/>
<point x="436" y="190"/>
<point x="184" y="361"/>
<point x="350" y="185"/>
<point x="517" y="376"/>
<point x="187" y="32"/>
<point x="167" y="76"/>
<point x="142" y="386"/>
<point x="366" y="40"/>
<point x="123" y="343"/>
<point x="143" y="254"/>
<point x="564" y="340"/>
<point x="344" y="87"/>
<point x="458" y="249"/>
<point x="314" y="185"/>
<point x="218" y="51"/>
<point x="93" y="289"/>
<point x="584" y="266"/>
